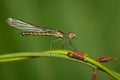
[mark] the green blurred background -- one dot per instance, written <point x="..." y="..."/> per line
<point x="95" y="22"/>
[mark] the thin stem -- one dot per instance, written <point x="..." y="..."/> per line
<point x="103" y="68"/>
<point x="61" y="54"/>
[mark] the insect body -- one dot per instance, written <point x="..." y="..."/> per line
<point x="32" y="30"/>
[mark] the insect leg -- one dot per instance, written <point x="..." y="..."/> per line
<point x="71" y="45"/>
<point x="51" y="43"/>
<point x="63" y="42"/>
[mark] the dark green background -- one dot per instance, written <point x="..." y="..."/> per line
<point x="95" y="22"/>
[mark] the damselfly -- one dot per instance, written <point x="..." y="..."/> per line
<point x="32" y="30"/>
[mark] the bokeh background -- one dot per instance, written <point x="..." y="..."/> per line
<point x="95" y="22"/>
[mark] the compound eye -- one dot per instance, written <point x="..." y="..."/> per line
<point x="71" y="35"/>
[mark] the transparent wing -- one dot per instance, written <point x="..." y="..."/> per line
<point x="25" y="26"/>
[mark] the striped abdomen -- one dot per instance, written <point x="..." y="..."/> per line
<point x="55" y="33"/>
<point x="36" y="34"/>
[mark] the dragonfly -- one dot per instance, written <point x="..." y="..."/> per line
<point x="33" y="30"/>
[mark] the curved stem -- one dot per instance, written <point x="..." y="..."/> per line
<point x="103" y="68"/>
<point x="57" y="53"/>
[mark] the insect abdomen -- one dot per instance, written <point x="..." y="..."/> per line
<point x="36" y="34"/>
<point x="55" y="33"/>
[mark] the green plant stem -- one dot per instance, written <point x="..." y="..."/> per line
<point x="103" y="68"/>
<point x="57" y="53"/>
